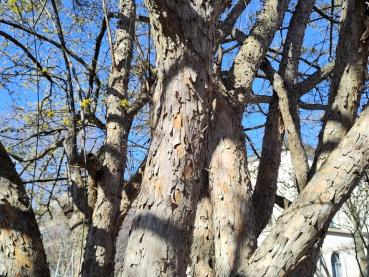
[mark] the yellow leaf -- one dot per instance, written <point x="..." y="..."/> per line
<point x="50" y="114"/>
<point x="124" y="103"/>
<point x="66" y="122"/>
<point x="85" y="103"/>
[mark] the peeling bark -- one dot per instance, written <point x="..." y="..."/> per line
<point x="202" y="244"/>
<point x="345" y="93"/>
<point x="21" y="249"/>
<point x="160" y="236"/>
<point x="230" y="188"/>
<point x="254" y="48"/>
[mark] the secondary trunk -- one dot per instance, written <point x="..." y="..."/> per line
<point x="160" y="237"/>
<point x="230" y="189"/>
<point x="104" y="228"/>
<point x="266" y="182"/>
<point x="21" y="249"/>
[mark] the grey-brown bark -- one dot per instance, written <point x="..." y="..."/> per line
<point x="266" y="182"/>
<point x="347" y="80"/>
<point x="218" y="241"/>
<point x="103" y="230"/>
<point x="21" y="249"/>
<point x="289" y="111"/>
<point x="230" y="190"/>
<point x="229" y="180"/>
<point x="252" y="53"/>
<point x="301" y="225"/>
<point x="160" y="236"/>
<point x="253" y="49"/>
<point x="345" y="92"/>
<point x="202" y="244"/>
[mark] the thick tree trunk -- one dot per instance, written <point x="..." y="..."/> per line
<point x="246" y="65"/>
<point x="301" y="225"/>
<point x="160" y="236"/>
<point x="230" y="188"/>
<point x="104" y="228"/>
<point x="202" y="245"/>
<point x="79" y="219"/>
<point x="21" y="249"/>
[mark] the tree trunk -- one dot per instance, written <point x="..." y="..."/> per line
<point x="80" y="218"/>
<point x="247" y="63"/>
<point x="104" y="228"/>
<point x="21" y="249"/>
<point x="160" y="237"/>
<point x="301" y="225"/>
<point x="347" y="81"/>
<point x="230" y="189"/>
<point x="345" y="95"/>
<point x="202" y="245"/>
<point x="266" y="182"/>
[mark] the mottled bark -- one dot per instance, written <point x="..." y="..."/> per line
<point x="301" y="225"/>
<point x="289" y="111"/>
<point x="266" y="182"/>
<point x="230" y="188"/>
<point x="349" y="71"/>
<point x="345" y="92"/>
<point x="104" y="228"/>
<point x="254" y="48"/>
<point x="203" y="255"/>
<point x="160" y="236"/>
<point x="21" y="249"/>
<point x="202" y="244"/>
<point x="79" y="217"/>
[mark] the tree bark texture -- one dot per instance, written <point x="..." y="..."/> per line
<point x="347" y="81"/>
<point x="266" y="182"/>
<point x="230" y="190"/>
<point x="160" y="237"/>
<point x="345" y="93"/>
<point x="21" y="249"/>
<point x="202" y="244"/>
<point x="104" y="228"/>
<point x="301" y="225"/>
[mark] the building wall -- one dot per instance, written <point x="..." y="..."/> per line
<point x="340" y="242"/>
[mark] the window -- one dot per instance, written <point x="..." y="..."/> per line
<point x="336" y="265"/>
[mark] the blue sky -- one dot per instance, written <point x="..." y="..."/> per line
<point x="22" y="96"/>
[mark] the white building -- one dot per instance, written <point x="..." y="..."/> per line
<point x="338" y="255"/>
